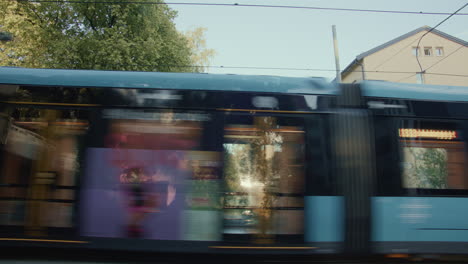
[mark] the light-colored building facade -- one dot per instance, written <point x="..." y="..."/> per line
<point x="443" y="59"/>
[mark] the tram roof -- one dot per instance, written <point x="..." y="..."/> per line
<point x="163" y="80"/>
<point x="384" y="89"/>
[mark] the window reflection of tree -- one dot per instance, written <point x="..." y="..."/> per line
<point x="262" y="162"/>
<point x="432" y="164"/>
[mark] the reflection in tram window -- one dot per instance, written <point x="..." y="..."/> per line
<point x="263" y="173"/>
<point x="40" y="141"/>
<point x="433" y="159"/>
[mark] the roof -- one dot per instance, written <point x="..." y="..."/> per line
<point x="163" y="80"/>
<point x="197" y="81"/>
<point x="439" y="93"/>
<point x="400" y="38"/>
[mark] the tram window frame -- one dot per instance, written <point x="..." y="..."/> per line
<point x="317" y="153"/>
<point x="288" y="119"/>
<point x="320" y="179"/>
<point x="461" y="128"/>
<point x="386" y="141"/>
<point x="209" y="122"/>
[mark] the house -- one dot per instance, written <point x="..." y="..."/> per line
<point x="443" y="59"/>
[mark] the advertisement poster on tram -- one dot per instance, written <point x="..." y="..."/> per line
<point x="143" y="200"/>
<point x="150" y="181"/>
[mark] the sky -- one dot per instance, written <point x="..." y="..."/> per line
<point x="301" y="38"/>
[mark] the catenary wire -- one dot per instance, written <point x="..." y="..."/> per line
<point x="245" y="5"/>
<point x="450" y="54"/>
<point x="440" y="23"/>
<point x="257" y="68"/>
<point x="399" y="80"/>
<point x="400" y="50"/>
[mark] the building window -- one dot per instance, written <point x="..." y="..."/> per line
<point x="415" y="51"/>
<point x="427" y="51"/>
<point x="439" y="51"/>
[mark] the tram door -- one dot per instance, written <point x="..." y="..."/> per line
<point x="264" y="168"/>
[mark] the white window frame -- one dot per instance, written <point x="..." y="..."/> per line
<point x="441" y="51"/>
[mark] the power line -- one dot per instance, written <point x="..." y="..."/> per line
<point x="393" y="56"/>
<point x="224" y="67"/>
<point x="246" y="5"/>
<point x="201" y="66"/>
<point x="440" y="23"/>
<point x="417" y="51"/>
<point x="399" y="80"/>
<point x="433" y="73"/>
<point x="451" y="53"/>
<point x="269" y="68"/>
<point x="447" y="74"/>
<point x="258" y="68"/>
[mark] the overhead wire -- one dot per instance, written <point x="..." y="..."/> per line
<point x="278" y="6"/>
<point x="393" y="56"/>
<point x="245" y="5"/>
<point x="417" y="51"/>
<point x="451" y="53"/>
<point x="246" y="67"/>
<point x="399" y="80"/>
<point x="433" y="73"/>
<point x="252" y="68"/>
<point x="440" y="23"/>
<point x="447" y="74"/>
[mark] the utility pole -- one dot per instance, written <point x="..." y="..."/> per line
<point x="337" y="60"/>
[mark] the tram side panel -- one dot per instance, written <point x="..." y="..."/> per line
<point x="421" y="206"/>
<point x="324" y="205"/>
<point x="150" y="174"/>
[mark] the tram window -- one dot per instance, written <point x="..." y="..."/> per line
<point x="433" y="157"/>
<point x="264" y="175"/>
<point x="153" y="178"/>
<point x="38" y="141"/>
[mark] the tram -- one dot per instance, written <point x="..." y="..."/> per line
<point x="231" y="164"/>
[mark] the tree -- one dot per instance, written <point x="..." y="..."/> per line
<point x="249" y="167"/>
<point x="90" y="35"/>
<point x="429" y="168"/>
<point x="432" y="168"/>
<point x="201" y="55"/>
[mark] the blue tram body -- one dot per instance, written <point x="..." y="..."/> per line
<point x="368" y="168"/>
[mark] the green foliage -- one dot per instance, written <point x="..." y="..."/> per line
<point x="237" y="163"/>
<point x="201" y="55"/>
<point x="102" y="36"/>
<point x="230" y="172"/>
<point x="431" y="168"/>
